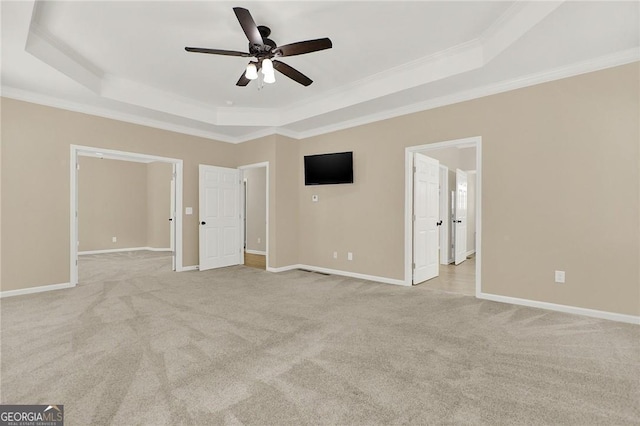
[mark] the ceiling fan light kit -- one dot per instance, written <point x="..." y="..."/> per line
<point x="264" y="50"/>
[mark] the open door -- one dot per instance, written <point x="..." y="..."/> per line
<point x="220" y="220"/>
<point x="461" y="217"/>
<point x="426" y="210"/>
<point x="444" y="215"/>
<point x="172" y="219"/>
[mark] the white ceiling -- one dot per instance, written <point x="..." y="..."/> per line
<point x="126" y="60"/>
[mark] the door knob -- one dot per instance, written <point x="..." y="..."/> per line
<point x="170" y="219"/>
<point x="458" y="221"/>
<point x="439" y="223"/>
<point x="203" y="223"/>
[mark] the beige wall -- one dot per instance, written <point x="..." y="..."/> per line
<point x="159" y="177"/>
<point x="561" y="158"/>
<point x="112" y="202"/>
<point x="288" y="183"/>
<point x="123" y="199"/>
<point x="35" y="173"/>
<point x="256" y="202"/>
<point x="454" y="158"/>
<point x="560" y="166"/>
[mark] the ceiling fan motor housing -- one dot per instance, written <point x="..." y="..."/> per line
<point x="262" y="51"/>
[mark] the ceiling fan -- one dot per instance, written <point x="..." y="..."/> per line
<point x="264" y="50"/>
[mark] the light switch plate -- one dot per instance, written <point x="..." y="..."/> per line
<point x="188" y="210"/>
<point x="560" y="276"/>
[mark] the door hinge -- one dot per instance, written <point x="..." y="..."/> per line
<point x="413" y="265"/>
<point x="77" y="166"/>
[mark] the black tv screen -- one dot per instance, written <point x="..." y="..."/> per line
<point x="328" y="169"/>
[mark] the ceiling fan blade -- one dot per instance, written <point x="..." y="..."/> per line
<point x="243" y="80"/>
<point x="292" y="73"/>
<point x="248" y="25"/>
<point x="217" y="51"/>
<point x="302" y="47"/>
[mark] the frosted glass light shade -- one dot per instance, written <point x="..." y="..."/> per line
<point x="270" y="78"/>
<point x="252" y="72"/>
<point x="267" y="66"/>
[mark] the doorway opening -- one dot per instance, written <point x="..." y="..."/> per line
<point x="255" y="209"/>
<point x="443" y="215"/>
<point x="156" y="166"/>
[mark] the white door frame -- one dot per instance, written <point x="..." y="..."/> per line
<point x="77" y="150"/>
<point x="475" y="141"/>
<point x="242" y="203"/>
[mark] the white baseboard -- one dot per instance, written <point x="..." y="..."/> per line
<point x="80" y="253"/>
<point x="341" y="273"/>
<point x="188" y="268"/>
<point x="39" y="289"/>
<point x="470" y="252"/>
<point x="262" y="253"/>
<point x="283" y="268"/>
<point x="630" y="319"/>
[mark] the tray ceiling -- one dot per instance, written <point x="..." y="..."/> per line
<point x="126" y="60"/>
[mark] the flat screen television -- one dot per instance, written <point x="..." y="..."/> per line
<point x="328" y="169"/>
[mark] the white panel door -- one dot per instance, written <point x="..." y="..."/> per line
<point x="172" y="219"/>
<point x="219" y="217"/>
<point x="461" y="217"/>
<point x="426" y="210"/>
<point x="443" y="223"/>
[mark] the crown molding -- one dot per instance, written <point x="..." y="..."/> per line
<point x="44" y="46"/>
<point x="39" y="98"/>
<point x="513" y="24"/>
<point x="603" y="62"/>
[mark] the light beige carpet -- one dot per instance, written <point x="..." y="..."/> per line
<point x="138" y="344"/>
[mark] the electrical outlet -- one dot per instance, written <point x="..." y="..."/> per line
<point x="335" y="254"/>
<point x="114" y="239"/>
<point x="349" y="256"/>
<point x="560" y="276"/>
<point x="314" y="198"/>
